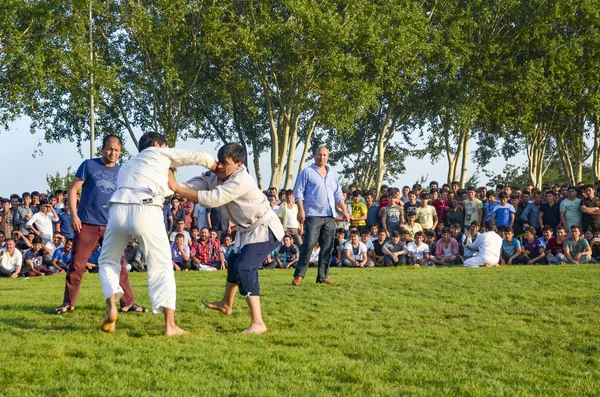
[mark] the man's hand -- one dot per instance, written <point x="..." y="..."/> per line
<point x="347" y="217"/>
<point x="14" y="275"/>
<point x="76" y="223"/>
<point x="301" y="216"/>
<point x="510" y="261"/>
<point x="173" y="185"/>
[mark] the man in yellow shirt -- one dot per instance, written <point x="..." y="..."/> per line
<point x="359" y="212"/>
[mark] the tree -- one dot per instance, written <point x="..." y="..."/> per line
<point x="59" y="182"/>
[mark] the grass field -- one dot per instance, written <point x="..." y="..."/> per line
<point x="431" y="331"/>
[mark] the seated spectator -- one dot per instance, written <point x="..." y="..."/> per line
<point x="35" y="258"/>
<point x="2" y="240"/>
<point x="180" y="254"/>
<point x="375" y="231"/>
<point x="430" y="241"/>
<point x="62" y="257"/>
<point x="446" y="252"/>
<point x="51" y="246"/>
<point x="378" y="245"/>
<point x="589" y="236"/>
<point x="577" y="249"/>
<point x="314" y="256"/>
<point x="130" y="254"/>
<point x="595" y="246"/>
<point x="511" y="249"/>
<point x="41" y="222"/>
<point x="405" y="236"/>
<point x="338" y="247"/>
<point x="227" y="247"/>
<point x="394" y="250"/>
<point x="288" y="253"/>
<point x="355" y="252"/>
<point x="140" y="260"/>
<point x="555" y="254"/>
<point x="194" y="234"/>
<point x="531" y="248"/>
<point x="11" y="260"/>
<point x="467" y="240"/>
<point x="205" y="256"/>
<point x="365" y="238"/>
<point x="218" y="255"/>
<point x="418" y="251"/>
<point x="92" y="264"/>
<point x="180" y="229"/>
<point x="547" y="233"/>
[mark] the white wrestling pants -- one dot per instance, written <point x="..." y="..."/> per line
<point x="477" y="261"/>
<point x="145" y="223"/>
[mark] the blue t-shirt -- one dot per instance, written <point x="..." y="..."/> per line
<point x="61" y="257"/>
<point x="503" y="214"/>
<point x="100" y="182"/>
<point x="510" y="248"/>
<point x="489" y="208"/>
<point x="64" y="219"/>
<point x="95" y="256"/>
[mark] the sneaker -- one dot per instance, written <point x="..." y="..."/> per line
<point x="206" y="268"/>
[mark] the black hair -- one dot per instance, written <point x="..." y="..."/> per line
<point x="147" y="140"/>
<point x="108" y="137"/>
<point x="233" y="150"/>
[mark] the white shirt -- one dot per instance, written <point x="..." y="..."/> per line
<point x="186" y="237"/>
<point x="489" y="245"/>
<point x="242" y="203"/>
<point x="357" y="255"/>
<point x="418" y="251"/>
<point x="11" y="263"/>
<point x="146" y="176"/>
<point x="289" y="216"/>
<point x="201" y="214"/>
<point x="43" y="223"/>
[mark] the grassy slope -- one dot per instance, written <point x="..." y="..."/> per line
<point x="512" y="330"/>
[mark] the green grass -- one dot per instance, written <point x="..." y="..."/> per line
<point x="431" y="331"/>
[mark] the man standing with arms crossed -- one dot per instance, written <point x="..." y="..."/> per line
<point x="317" y="193"/>
<point x="97" y="179"/>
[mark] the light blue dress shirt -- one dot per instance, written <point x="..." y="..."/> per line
<point x="318" y="193"/>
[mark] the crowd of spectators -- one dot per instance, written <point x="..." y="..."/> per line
<point x="557" y="224"/>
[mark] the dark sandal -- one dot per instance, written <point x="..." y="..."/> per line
<point x="63" y="309"/>
<point x="135" y="308"/>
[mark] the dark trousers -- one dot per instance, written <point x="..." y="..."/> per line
<point x="83" y="245"/>
<point x="4" y="272"/>
<point x="243" y="267"/>
<point x="321" y="229"/>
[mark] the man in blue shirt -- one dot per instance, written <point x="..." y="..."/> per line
<point x="317" y="192"/>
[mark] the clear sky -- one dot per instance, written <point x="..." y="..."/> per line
<point x="23" y="172"/>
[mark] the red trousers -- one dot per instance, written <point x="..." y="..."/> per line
<point x="83" y="245"/>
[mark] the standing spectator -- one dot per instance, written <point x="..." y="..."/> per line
<point x="473" y="208"/>
<point x="176" y="212"/>
<point x="167" y="216"/>
<point x="531" y="212"/>
<point x="489" y="205"/>
<point x="392" y="216"/>
<point x="411" y="205"/>
<point x="426" y="214"/>
<point x="188" y="208"/>
<point x="441" y="205"/>
<point x="64" y="225"/>
<point x="412" y="227"/>
<point x="577" y="249"/>
<point x="23" y="214"/>
<point x="358" y="211"/>
<point x="516" y="203"/>
<point x="590" y="209"/>
<point x="200" y="216"/>
<point x="372" y="210"/>
<point x="549" y="212"/>
<point x="217" y="221"/>
<point x="455" y="214"/>
<point x="273" y="202"/>
<point x="97" y="179"/>
<point x="288" y="215"/>
<point x="504" y="213"/>
<point x="6" y="223"/>
<point x="570" y="211"/>
<point x="317" y="193"/>
<point x="41" y="222"/>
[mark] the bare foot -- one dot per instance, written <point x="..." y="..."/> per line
<point x="220" y="306"/>
<point x="256" y="329"/>
<point x="110" y="321"/>
<point x="176" y="331"/>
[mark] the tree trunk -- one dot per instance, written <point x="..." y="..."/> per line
<point x="291" y="152"/>
<point x="255" y="161"/>
<point x="596" y="150"/>
<point x="306" y="147"/>
<point x="381" y="148"/>
<point x="465" y="159"/>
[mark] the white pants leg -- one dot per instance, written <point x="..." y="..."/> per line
<point x="147" y="226"/>
<point x="475" y="261"/>
<point x="145" y="223"/>
<point x="113" y="245"/>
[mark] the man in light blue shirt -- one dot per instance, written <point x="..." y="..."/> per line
<point x="317" y="193"/>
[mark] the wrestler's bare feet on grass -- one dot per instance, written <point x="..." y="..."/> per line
<point x="256" y="329"/>
<point x="110" y="320"/>
<point x="220" y="306"/>
<point x="174" y="331"/>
